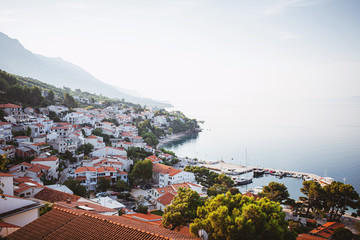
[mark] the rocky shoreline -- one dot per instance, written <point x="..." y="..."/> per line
<point x="175" y="137"/>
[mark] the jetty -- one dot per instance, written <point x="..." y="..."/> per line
<point x="221" y="166"/>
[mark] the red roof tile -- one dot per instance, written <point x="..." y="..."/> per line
<point x="161" y="168"/>
<point x="52" y="195"/>
<point x="166" y="198"/>
<point x="9" y="105"/>
<point x="74" y="224"/>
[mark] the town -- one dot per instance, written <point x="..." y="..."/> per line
<point x="72" y="157"/>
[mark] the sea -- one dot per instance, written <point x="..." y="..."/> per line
<point x="313" y="137"/>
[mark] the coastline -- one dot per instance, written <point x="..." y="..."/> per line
<point x="174" y="137"/>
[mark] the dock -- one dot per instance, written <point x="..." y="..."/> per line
<point x="220" y="165"/>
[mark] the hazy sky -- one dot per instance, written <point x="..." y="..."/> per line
<point x="203" y="50"/>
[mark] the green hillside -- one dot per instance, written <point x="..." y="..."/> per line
<point x="29" y="92"/>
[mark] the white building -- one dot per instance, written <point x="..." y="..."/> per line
<point x="52" y="162"/>
<point x="109" y="151"/>
<point x="165" y="175"/>
<point x="7" y="183"/>
<point x="63" y="129"/>
<point x="96" y="141"/>
<point x="5" y="131"/>
<point x="58" y="109"/>
<point x="18" y="211"/>
<point x="63" y="144"/>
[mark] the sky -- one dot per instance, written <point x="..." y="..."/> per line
<point x="202" y="51"/>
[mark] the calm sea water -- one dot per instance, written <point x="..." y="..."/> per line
<point x="317" y="138"/>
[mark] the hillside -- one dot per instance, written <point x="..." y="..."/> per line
<point x="30" y="92"/>
<point x="20" y="61"/>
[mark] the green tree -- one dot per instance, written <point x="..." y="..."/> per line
<point x="69" y="101"/>
<point x="121" y="186"/>
<point x="342" y="233"/>
<point x="339" y="197"/>
<point x="46" y="208"/>
<point x="275" y="192"/>
<point x="76" y="187"/>
<point x="87" y="148"/>
<point x="183" y="209"/>
<point x="50" y="95"/>
<point x="314" y="195"/>
<point x="141" y="172"/>
<point x="240" y="217"/>
<point x="28" y="131"/>
<point x="103" y="184"/>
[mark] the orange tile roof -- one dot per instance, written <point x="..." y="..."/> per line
<point x="52" y="195"/>
<point x="62" y="223"/>
<point x="144" y="217"/>
<point x="92" y="137"/>
<point x="6" y="175"/>
<point x="75" y="205"/>
<point x="38" y="167"/>
<point x="51" y="158"/>
<point x="305" y="236"/>
<point x="166" y="198"/>
<point x="5" y="123"/>
<point x="153" y="159"/>
<point x="327" y="230"/>
<point x="249" y="194"/>
<point x="85" y="169"/>
<point x="9" y="105"/>
<point x="161" y="168"/>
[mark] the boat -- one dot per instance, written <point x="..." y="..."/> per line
<point x="230" y="171"/>
<point x="259" y="172"/>
<point x="242" y="180"/>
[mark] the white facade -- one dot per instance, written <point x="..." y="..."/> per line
<point x="5" y="131"/>
<point x="52" y="162"/>
<point x="7" y="184"/>
<point x="109" y="151"/>
<point x="96" y="141"/>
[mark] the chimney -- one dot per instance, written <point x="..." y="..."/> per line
<point x="68" y="200"/>
<point x="86" y="204"/>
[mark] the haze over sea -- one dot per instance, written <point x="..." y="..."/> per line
<point x="313" y="137"/>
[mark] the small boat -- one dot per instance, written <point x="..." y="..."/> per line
<point x="230" y="171"/>
<point x="242" y="181"/>
<point x="259" y="172"/>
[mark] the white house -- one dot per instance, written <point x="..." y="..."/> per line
<point x="52" y="162"/>
<point x="63" y="129"/>
<point x="34" y="171"/>
<point x="58" y="109"/>
<point x="109" y="151"/>
<point x="96" y="141"/>
<point x="26" y="187"/>
<point x="5" y="131"/>
<point x="11" y="109"/>
<point x="89" y="176"/>
<point x="63" y="144"/>
<point x="37" y="129"/>
<point x="7" y="183"/>
<point x="124" y="145"/>
<point x="165" y="175"/>
<point x="18" y="211"/>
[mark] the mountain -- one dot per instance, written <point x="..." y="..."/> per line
<point x="58" y="72"/>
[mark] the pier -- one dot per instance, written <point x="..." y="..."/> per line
<point x="220" y="166"/>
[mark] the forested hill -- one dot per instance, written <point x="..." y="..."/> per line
<point x="18" y="60"/>
<point x="29" y="92"/>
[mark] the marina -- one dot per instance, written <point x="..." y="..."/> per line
<point x="232" y="169"/>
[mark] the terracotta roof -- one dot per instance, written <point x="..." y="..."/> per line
<point x="38" y="167"/>
<point x="305" y="236"/>
<point x="249" y="194"/>
<point x="92" y="137"/>
<point x="9" y="105"/>
<point x="144" y="217"/>
<point x="5" y="123"/>
<point x="75" y="205"/>
<point x="22" y="137"/>
<point x="166" y="198"/>
<point x="7" y="225"/>
<point x="327" y="230"/>
<point x="161" y="168"/>
<point x="51" y="158"/>
<point x="153" y="159"/>
<point x="85" y="169"/>
<point x="6" y="175"/>
<point x="74" y="224"/>
<point x="52" y="195"/>
<point x="44" y="225"/>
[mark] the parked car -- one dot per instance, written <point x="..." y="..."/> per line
<point x="101" y="194"/>
<point x="114" y="193"/>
